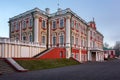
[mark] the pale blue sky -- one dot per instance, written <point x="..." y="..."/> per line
<point x="105" y="12"/>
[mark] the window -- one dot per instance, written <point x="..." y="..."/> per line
<point x="17" y="37"/>
<point x="17" y="26"/>
<point x="72" y="24"/>
<point x="76" y="41"/>
<point x="12" y="27"/>
<point x="24" y="24"/>
<point x="54" y="24"/>
<point x="61" y="23"/>
<point x="54" y="40"/>
<point x="24" y="38"/>
<point x="43" y="23"/>
<point x="61" y="39"/>
<point x="77" y="27"/>
<point x="81" y="42"/>
<point x="72" y="40"/>
<point x="43" y="40"/>
<point x="31" y="22"/>
<point x="30" y="37"/>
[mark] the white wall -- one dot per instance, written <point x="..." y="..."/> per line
<point x="19" y="49"/>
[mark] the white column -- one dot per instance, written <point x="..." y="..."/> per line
<point x="49" y="34"/>
<point x="68" y="31"/>
<point x="89" y="56"/>
<point x="2" y="50"/>
<point x="36" y="23"/>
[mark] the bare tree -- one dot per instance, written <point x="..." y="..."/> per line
<point x="106" y="45"/>
<point x="117" y="48"/>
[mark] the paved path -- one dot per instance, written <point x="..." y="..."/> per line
<point x="109" y="70"/>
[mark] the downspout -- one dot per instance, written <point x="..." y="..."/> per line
<point x="71" y="33"/>
<point x="9" y="29"/>
<point x="33" y="26"/>
<point x="48" y="32"/>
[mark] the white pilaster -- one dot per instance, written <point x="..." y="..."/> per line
<point x="49" y="34"/>
<point x="68" y="31"/>
<point x="36" y="23"/>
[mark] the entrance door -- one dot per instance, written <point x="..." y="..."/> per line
<point x="93" y="56"/>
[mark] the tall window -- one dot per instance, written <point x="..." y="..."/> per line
<point x="54" y="40"/>
<point x="72" y="40"/>
<point x="24" y="24"/>
<point x="61" y="39"/>
<point x="12" y="27"/>
<point x="43" y="23"/>
<point x="54" y="24"/>
<point x="30" y="37"/>
<point x="61" y="23"/>
<point x="77" y="27"/>
<point x="31" y="22"/>
<point x="43" y="40"/>
<point x="17" y="25"/>
<point x="72" y="24"/>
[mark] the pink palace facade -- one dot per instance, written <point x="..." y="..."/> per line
<point x="62" y="34"/>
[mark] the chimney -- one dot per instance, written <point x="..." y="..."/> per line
<point x="47" y="10"/>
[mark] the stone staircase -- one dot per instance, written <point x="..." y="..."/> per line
<point x="5" y="67"/>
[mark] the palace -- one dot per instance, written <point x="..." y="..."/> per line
<point x="63" y="34"/>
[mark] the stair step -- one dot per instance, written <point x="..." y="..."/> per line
<point x="5" y="67"/>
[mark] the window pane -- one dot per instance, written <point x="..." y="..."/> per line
<point x="61" y="39"/>
<point x="43" y="39"/>
<point x="31" y="22"/>
<point x="61" y="23"/>
<point x="54" y="40"/>
<point x="54" y="25"/>
<point x="43" y="23"/>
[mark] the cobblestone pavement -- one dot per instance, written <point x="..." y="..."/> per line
<point x="107" y="70"/>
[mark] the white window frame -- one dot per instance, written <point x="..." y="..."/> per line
<point x="12" y="27"/>
<point x="30" y="37"/>
<point x="43" y="41"/>
<point x="17" y="25"/>
<point x="43" y="23"/>
<point x="30" y="22"/>
<point x="61" y="26"/>
<point x="55" y="40"/>
<point x="54" y="27"/>
<point x="23" y="24"/>
<point x="61" y="34"/>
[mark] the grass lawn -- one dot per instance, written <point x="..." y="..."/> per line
<point x="46" y="64"/>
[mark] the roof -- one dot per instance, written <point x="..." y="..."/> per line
<point x="104" y="48"/>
